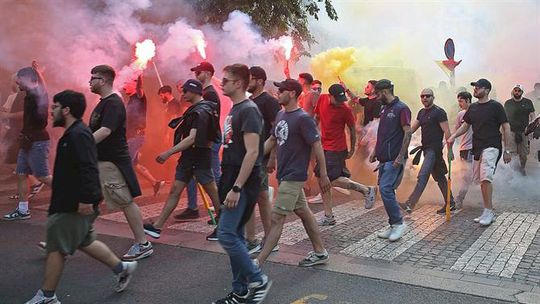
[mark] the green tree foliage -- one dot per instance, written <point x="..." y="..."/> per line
<point x="274" y="17"/>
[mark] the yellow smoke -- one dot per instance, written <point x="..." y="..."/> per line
<point x="328" y="65"/>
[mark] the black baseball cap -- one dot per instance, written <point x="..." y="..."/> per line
<point x="338" y="91"/>
<point x="257" y="72"/>
<point x="482" y="83"/>
<point x="290" y="85"/>
<point x="203" y="66"/>
<point x="383" y="84"/>
<point x="193" y="86"/>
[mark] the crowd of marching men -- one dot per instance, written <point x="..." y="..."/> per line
<point x="300" y="134"/>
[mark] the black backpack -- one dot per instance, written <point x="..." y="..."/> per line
<point x="201" y="108"/>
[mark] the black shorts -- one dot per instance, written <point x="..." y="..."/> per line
<point x="335" y="165"/>
<point x="200" y="168"/>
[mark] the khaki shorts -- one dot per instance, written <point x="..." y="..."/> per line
<point x="290" y="197"/>
<point x="484" y="168"/>
<point x="116" y="192"/>
<point x="522" y="148"/>
<point x="68" y="231"/>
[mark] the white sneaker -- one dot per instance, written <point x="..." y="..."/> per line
<point x="477" y="220"/>
<point x="123" y="278"/>
<point x="397" y="232"/>
<point x="317" y="199"/>
<point x="488" y="218"/>
<point x="39" y="298"/>
<point x="369" y="199"/>
<point x="385" y="234"/>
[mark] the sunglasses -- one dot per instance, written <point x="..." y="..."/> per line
<point x="94" y="78"/>
<point x="426" y="96"/>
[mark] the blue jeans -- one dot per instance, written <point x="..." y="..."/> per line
<point x="389" y="180"/>
<point x="231" y="227"/>
<point x="432" y="165"/>
<point x="216" y="164"/>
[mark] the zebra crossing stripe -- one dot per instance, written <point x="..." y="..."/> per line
<point x="422" y="222"/>
<point x="500" y="248"/>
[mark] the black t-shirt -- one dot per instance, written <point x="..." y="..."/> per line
<point x="518" y="113"/>
<point x="136" y="115"/>
<point x="372" y="109"/>
<point x="486" y="120"/>
<point x="210" y="94"/>
<point x="269" y="108"/>
<point x="35" y="115"/>
<point x="111" y="113"/>
<point x="244" y="117"/>
<point x="200" y="150"/>
<point x="432" y="133"/>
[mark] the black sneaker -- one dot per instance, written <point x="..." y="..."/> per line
<point x="406" y="207"/>
<point x="233" y="298"/>
<point x="212" y="236"/>
<point x="188" y="214"/>
<point x="443" y="209"/>
<point x="152" y="231"/>
<point x="17" y="215"/>
<point x="257" y="291"/>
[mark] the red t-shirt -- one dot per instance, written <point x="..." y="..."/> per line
<point x="333" y="119"/>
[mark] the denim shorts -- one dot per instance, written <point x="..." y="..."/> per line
<point x="134" y="146"/>
<point x="34" y="161"/>
<point x="185" y="172"/>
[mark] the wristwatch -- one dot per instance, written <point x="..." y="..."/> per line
<point x="236" y="189"/>
<point x="507" y="151"/>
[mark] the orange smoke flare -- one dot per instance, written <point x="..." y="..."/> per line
<point x="201" y="45"/>
<point x="144" y="51"/>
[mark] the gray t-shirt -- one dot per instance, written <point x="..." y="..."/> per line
<point x="295" y="132"/>
<point x="466" y="139"/>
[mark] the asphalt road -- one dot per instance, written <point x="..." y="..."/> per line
<point x="179" y="275"/>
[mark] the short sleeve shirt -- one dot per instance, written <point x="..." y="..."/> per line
<point x="295" y="133"/>
<point x="372" y="109"/>
<point x="243" y="118"/>
<point x="518" y="113"/>
<point x="269" y="108"/>
<point x="308" y="101"/>
<point x="466" y="139"/>
<point x="136" y="115"/>
<point x="111" y="113"/>
<point x="486" y="120"/>
<point x="432" y="133"/>
<point x="333" y="120"/>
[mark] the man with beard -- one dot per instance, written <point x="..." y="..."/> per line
<point x="269" y="107"/>
<point x="204" y="72"/>
<point x="136" y="128"/>
<point x="393" y="138"/>
<point x="33" y="155"/>
<point x="118" y="180"/>
<point x="465" y="147"/>
<point x="193" y="138"/>
<point x="519" y="111"/>
<point x="239" y="186"/>
<point x="486" y="116"/>
<point x="372" y="106"/>
<point x="76" y="194"/>
<point x="294" y="136"/>
<point x="333" y="116"/>
<point x="433" y="121"/>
